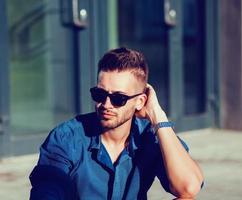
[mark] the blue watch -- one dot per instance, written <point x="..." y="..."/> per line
<point x="162" y="125"/>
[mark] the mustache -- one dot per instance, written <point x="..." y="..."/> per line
<point x="102" y="110"/>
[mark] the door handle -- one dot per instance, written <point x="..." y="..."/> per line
<point x="71" y="16"/>
<point x="79" y="17"/>
<point x="170" y="14"/>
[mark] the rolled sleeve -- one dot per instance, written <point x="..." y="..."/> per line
<point x="50" y="179"/>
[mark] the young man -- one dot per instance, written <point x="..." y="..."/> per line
<point x="116" y="152"/>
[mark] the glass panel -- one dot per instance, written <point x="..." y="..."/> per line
<point x="39" y="81"/>
<point x="141" y="26"/>
<point x="194" y="56"/>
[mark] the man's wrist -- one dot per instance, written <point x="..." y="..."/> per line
<point x="165" y="124"/>
<point x="158" y="116"/>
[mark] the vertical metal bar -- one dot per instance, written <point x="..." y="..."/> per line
<point x="212" y="61"/>
<point x="176" y="66"/>
<point x="92" y="44"/>
<point x="4" y="82"/>
<point x="84" y="55"/>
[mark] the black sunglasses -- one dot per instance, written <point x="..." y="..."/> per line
<point x="100" y="95"/>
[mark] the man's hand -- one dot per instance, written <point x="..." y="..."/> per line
<point x="152" y="109"/>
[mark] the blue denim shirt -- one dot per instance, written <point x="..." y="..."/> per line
<point x="74" y="164"/>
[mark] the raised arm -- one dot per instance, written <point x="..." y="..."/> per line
<point x="184" y="175"/>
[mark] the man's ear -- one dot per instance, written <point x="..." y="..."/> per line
<point x="141" y="102"/>
<point x="140" y="106"/>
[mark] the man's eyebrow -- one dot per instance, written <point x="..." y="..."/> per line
<point x="113" y="92"/>
<point x="118" y="92"/>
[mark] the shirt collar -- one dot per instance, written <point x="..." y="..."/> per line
<point x="133" y="139"/>
<point x="95" y="142"/>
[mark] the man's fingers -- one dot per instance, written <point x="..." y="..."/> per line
<point x="150" y="89"/>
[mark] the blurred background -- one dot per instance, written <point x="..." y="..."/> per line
<point x="50" y="49"/>
<point x="49" y="52"/>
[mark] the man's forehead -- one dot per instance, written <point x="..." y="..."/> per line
<point x="114" y="81"/>
<point x="113" y="75"/>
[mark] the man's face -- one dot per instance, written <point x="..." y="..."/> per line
<point x="112" y="116"/>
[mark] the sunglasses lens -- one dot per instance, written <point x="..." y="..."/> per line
<point x="98" y="94"/>
<point x="118" y="99"/>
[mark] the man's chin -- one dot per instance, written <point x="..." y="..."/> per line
<point x="107" y="124"/>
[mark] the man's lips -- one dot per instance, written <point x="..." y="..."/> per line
<point x="106" y="114"/>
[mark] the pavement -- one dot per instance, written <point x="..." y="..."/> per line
<point x="218" y="152"/>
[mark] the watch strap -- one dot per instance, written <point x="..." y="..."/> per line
<point x="162" y="125"/>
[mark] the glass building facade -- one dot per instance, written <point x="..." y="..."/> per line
<point x="50" y="51"/>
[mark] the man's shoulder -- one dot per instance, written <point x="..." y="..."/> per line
<point x="74" y="129"/>
<point x="77" y="121"/>
<point x="67" y="140"/>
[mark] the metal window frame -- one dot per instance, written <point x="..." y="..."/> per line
<point x="211" y="117"/>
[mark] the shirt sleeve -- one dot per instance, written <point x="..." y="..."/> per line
<point x="58" y="149"/>
<point x="50" y="183"/>
<point x="50" y="179"/>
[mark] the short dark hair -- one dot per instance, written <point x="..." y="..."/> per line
<point x="124" y="59"/>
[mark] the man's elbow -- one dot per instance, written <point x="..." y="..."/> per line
<point x="192" y="189"/>
<point x="188" y="190"/>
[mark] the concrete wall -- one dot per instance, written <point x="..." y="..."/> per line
<point x="231" y="64"/>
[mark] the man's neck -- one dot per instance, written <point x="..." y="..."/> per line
<point x="117" y="136"/>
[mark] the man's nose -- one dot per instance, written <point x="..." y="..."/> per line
<point x="107" y="103"/>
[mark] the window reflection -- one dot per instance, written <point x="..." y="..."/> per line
<point x="141" y="26"/>
<point x="39" y="80"/>
<point x="194" y="56"/>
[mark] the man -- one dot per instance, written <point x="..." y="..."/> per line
<point x="116" y="152"/>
